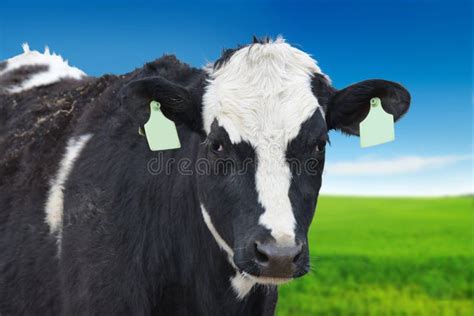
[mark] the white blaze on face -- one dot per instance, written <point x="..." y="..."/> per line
<point x="262" y="95"/>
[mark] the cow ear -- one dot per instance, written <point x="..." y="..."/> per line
<point x="349" y="106"/>
<point x="178" y="103"/>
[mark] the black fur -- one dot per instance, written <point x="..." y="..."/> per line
<point x="179" y="103"/>
<point x="322" y="89"/>
<point x="134" y="242"/>
<point x="237" y="220"/>
<point x="225" y="57"/>
<point x="349" y="106"/>
<point x="18" y="75"/>
<point x="227" y="53"/>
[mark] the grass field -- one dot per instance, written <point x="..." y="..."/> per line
<point x="387" y="256"/>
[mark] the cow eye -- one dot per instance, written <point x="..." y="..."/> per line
<point x="217" y="147"/>
<point x="320" y="147"/>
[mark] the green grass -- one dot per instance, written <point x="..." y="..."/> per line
<point x="387" y="256"/>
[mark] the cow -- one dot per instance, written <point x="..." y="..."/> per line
<point x="93" y="222"/>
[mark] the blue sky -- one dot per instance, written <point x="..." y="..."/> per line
<point x="425" y="45"/>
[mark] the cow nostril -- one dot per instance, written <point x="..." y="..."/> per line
<point x="295" y="259"/>
<point x="260" y="256"/>
<point x="298" y="252"/>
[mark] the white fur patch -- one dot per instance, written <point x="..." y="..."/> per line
<point x="58" y="68"/>
<point x="240" y="283"/>
<point x="220" y="241"/>
<point x="267" y="280"/>
<point x="54" y="203"/>
<point x="262" y="95"/>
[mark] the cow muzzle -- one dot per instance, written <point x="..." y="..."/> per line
<point x="276" y="261"/>
<point x="268" y="262"/>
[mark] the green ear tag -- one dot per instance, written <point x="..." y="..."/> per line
<point x="160" y="132"/>
<point x="378" y="127"/>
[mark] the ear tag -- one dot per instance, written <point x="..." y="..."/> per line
<point x="160" y="132"/>
<point x="378" y="127"/>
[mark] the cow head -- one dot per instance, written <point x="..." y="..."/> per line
<point x="264" y="113"/>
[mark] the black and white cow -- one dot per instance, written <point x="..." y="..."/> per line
<point x="89" y="222"/>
